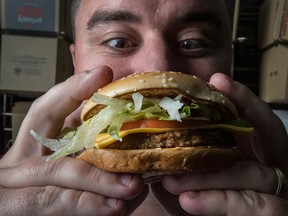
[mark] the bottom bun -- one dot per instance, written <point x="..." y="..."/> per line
<point x="161" y="161"/>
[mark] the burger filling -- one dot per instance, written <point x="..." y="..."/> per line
<point x="182" y="121"/>
<point x="173" y="139"/>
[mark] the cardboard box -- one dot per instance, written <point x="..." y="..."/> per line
<point x="283" y="21"/>
<point x="273" y="22"/>
<point x="36" y="15"/>
<point x="266" y="70"/>
<point x="267" y="17"/>
<point x="33" y="64"/>
<point x="274" y="75"/>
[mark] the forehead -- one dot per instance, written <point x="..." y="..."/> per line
<point x="157" y="10"/>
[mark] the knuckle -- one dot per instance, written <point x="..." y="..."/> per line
<point x="47" y="198"/>
<point x="254" y="200"/>
<point x="79" y="168"/>
<point x="55" y="200"/>
<point x="34" y="168"/>
<point x="258" y="175"/>
<point x="61" y="201"/>
<point x="95" y="204"/>
<point x="274" y="206"/>
<point x="262" y="204"/>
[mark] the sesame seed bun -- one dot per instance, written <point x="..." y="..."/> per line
<point x="161" y="161"/>
<point x="164" y="160"/>
<point x="159" y="84"/>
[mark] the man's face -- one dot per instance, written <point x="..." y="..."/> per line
<point x="134" y="36"/>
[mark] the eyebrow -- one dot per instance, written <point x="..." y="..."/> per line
<point x="207" y="15"/>
<point x="102" y="17"/>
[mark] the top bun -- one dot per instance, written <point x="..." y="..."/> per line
<point x="159" y="84"/>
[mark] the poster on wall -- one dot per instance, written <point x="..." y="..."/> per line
<point x="35" y="15"/>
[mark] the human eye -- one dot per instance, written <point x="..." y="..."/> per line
<point x="192" y="44"/>
<point x="196" y="46"/>
<point x="119" y="45"/>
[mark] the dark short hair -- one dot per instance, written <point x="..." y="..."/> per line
<point x="75" y="6"/>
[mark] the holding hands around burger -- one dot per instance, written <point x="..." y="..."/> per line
<point x="32" y="186"/>
<point x="131" y="37"/>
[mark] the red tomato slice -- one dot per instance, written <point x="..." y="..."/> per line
<point x="155" y="123"/>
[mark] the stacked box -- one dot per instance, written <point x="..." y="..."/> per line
<point x="34" y="55"/>
<point x="282" y="21"/>
<point x="273" y="35"/>
<point x="33" y="64"/>
<point x="273" y="20"/>
<point x="274" y="75"/>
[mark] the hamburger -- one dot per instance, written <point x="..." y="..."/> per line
<point x="154" y="122"/>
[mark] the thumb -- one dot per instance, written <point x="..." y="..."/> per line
<point x="47" y="114"/>
<point x="215" y="202"/>
<point x="268" y="127"/>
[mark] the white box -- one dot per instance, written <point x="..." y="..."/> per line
<point x="266" y="70"/>
<point x="273" y="22"/>
<point x="274" y="75"/>
<point x="282" y="21"/>
<point x="33" y="64"/>
<point x="267" y="17"/>
<point x="36" y="15"/>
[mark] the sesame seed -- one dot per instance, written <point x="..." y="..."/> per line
<point x="157" y="76"/>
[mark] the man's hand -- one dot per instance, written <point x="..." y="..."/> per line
<point x="246" y="188"/>
<point x="269" y="143"/>
<point x="29" y="185"/>
<point x="222" y="192"/>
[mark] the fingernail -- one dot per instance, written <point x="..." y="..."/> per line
<point x="111" y="203"/>
<point x="125" y="179"/>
